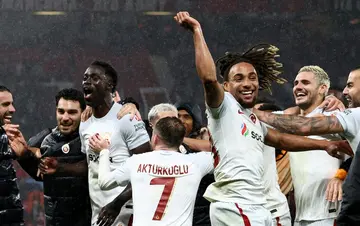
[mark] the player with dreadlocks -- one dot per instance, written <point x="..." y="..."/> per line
<point x="237" y="195"/>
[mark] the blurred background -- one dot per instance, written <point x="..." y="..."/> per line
<point x="47" y="44"/>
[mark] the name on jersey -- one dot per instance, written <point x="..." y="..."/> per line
<point x="161" y="170"/>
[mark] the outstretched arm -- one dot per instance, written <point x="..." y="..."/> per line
<point x="301" y="125"/>
<point x="298" y="143"/>
<point x="205" y="66"/>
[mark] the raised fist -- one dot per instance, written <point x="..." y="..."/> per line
<point x="184" y="19"/>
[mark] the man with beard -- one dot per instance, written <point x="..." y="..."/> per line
<point x="66" y="192"/>
<point x="126" y="137"/>
<point x="347" y="123"/>
<point x="11" y="209"/>
<point x="237" y="195"/>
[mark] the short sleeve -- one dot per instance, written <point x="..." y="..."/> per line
<point x="133" y="132"/>
<point x="204" y="160"/>
<point x="350" y="121"/>
<point x="219" y="111"/>
<point x="264" y="128"/>
<point x="83" y="145"/>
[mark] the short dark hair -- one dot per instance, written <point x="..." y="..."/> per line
<point x="109" y="71"/>
<point x="171" y="130"/>
<point x="71" y="94"/>
<point x="4" y="89"/>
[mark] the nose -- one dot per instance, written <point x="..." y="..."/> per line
<point x="346" y="91"/>
<point x="65" y="117"/>
<point x="247" y="83"/>
<point x="12" y="109"/>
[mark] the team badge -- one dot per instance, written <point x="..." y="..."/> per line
<point x="253" y="118"/>
<point x="65" y="148"/>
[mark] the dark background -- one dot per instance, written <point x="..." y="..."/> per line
<point x="41" y="54"/>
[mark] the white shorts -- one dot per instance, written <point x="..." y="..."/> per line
<point x="284" y="220"/>
<point x="326" y="222"/>
<point x="229" y="214"/>
<point x="125" y="217"/>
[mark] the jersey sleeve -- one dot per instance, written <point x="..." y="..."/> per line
<point x="204" y="160"/>
<point x="264" y="128"/>
<point x="133" y="132"/>
<point x="350" y="121"/>
<point x="219" y="111"/>
<point x="83" y="145"/>
<point x="110" y="179"/>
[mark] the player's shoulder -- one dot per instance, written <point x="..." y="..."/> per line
<point x="198" y="156"/>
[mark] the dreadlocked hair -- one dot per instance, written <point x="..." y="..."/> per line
<point x="262" y="57"/>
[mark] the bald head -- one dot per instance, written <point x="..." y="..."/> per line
<point x="352" y="89"/>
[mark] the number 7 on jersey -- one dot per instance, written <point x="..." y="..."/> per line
<point x="168" y="183"/>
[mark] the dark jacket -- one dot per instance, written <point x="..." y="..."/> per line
<point x="350" y="213"/>
<point x="11" y="209"/>
<point x="66" y="197"/>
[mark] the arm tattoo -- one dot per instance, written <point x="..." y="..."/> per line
<point x="305" y="125"/>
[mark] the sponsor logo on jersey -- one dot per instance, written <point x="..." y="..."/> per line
<point x="65" y="148"/>
<point x="347" y="111"/>
<point x="95" y="158"/>
<point x="256" y="136"/>
<point x="244" y="130"/>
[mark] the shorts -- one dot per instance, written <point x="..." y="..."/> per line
<point x="229" y="214"/>
<point x="325" y="222"/>
<point x="284" y="220"/>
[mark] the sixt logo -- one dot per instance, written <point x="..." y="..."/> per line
<point x="244" y="130"/>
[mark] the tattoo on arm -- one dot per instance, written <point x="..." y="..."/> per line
<point x="305" y="125"/>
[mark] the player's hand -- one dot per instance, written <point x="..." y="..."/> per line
<point x="48" y="165"/>
<point x="35" y="151"/>
<point x="18" y="144"/>
<point x="130" y="109"/>
<point x="11" y="130"/>
<point x="86" y="114"/>
<point x="342" y="146"/>
<point x="331" y="103"/>
<point x="334" y="190"/>
<point x="97" y="143"/>
<point x="108" y="214"/>
<point x="185" y="20"/>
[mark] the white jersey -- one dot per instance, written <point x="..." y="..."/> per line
<point x="311" y="172"/>
<point x="350" y="121"/>
<point x="164" y="184"/>
<point x="276" y="201"/>
<point x="238" y="138"/>
<point x="124" y="135"/>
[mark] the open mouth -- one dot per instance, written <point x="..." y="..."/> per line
<point x="247" y="94"/>
<point x="87" y="92"/>
<point x="7" y="119"/>
<point x="300" y="94"/>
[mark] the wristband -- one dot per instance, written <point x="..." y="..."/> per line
<point x="341" y="174"/>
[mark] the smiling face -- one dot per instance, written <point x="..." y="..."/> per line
<point x="307" y="91"/>
<point x="352" y="89"/>
<point x="68" y="115"/>
<point x="7" y="108"/>
<point x="243" y="84"/>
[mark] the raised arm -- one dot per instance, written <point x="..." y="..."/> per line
<point x="205" y="66"/>
<point x="298" y="143"/>
<point x="301" y="125"/>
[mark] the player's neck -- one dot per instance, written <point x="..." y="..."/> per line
<point x="102" y="109"/>
<point x="163" y="147"/>
<point x="306" y="110"/>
